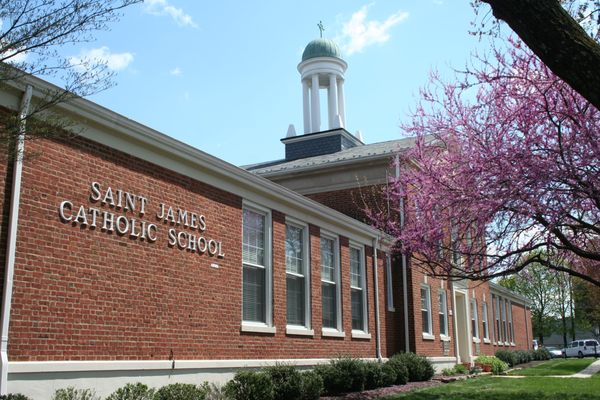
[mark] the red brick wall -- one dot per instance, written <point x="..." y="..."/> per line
<point x="84" y="294"/>
<point x="352" y="202"/>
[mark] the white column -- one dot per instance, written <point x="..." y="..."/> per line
<point x="333" y="107"/>
<point x="306" y="106"/>
<point x="341" y="107"/>
<point x="315" y="110"/>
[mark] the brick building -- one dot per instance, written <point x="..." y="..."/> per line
<point x="130" y="256"/>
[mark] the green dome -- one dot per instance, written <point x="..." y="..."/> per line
<point x="321" y="48"/>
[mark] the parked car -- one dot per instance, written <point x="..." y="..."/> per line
<point x="554" y="351"/>
<point x="582" y="348"/>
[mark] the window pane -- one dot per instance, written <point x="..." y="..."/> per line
<point x="355" y="278"/>
<point x="253" y="238"/>
<point x="254" y="294"/>
<point x="293" y="249"/>
<point x="328" y="260"/>
<point x="295" y="300"/>
<point x="357" y="310"/>
<point x="329" y="305"/>
<point x="425" y="311"/>
<point x="442" y="312"/>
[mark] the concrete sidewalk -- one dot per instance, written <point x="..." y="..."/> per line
<point x="592" y="369"/>
<point x="588" y="372"/>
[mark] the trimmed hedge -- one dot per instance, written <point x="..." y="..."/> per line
<point x="498" y="366"/>
<point x="378" y="375"/>
<point x="180" y="391"/>
<point x="287" y="382"/>
<point x="312" y="385"/>
<point x="342" y="375"/>
<point x="419" y="368"/>
<point x="250" y="385"/>
<point x="516" y="357"/>
<point x="132" y="391"/>
<point x="70" y="393"/>
<point x="14" y="396"/>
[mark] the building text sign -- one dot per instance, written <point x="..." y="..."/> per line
<point x="186" y="231"/>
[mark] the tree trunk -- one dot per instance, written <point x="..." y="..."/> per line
<point x="557" y="39"/>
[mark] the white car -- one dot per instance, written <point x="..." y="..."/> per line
<point x="555" y="352"/>
<point x="582" y="348"/>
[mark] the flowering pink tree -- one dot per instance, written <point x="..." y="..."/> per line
<point x="505" y="173"/>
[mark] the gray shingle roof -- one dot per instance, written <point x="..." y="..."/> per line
<point x="374" y="150"/>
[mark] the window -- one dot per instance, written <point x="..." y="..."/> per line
<point x="511" y="332"/>
<point x="390" y="284"/>
<point x="474" y="321"/>
<point x="455" y="244"/>
<point x="497" y="313"/>
<point x="426" y="310"/>
<point x="357" y="289"/>
<point x="503" y="311"/>
<point x="330" y="288"/>
<point x="484" y="321"/>
<point x="443" y="313"/>
<point x="296" y="269"/>
<point x="256" y="258"/>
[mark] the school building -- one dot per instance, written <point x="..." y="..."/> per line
<point x="130" y="256"/>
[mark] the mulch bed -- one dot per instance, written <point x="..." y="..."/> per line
<point x="382" y="392"/>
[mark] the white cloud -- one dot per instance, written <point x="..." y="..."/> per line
<point x="176" y="71"/>
<point x="358" y="32"/>
<point x="162" y="7"/>
<point x="113" y="61"/>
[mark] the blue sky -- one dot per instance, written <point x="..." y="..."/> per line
<point x="221" y="76"/>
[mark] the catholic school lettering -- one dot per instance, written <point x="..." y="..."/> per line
<point x="120" y="212"/>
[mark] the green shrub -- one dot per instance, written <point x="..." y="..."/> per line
<point x="250" y="385"/>
<point x="461" y="369"/>
<point x="523" y="356"/>
<point x="542" y="354"/>
<point x="378" y="375"/>
<point x="419" y="368"/>
<point x="71" y="393"/>
<point x="342" y="375"/>
<point x="312" y="385"/>
<point x="287" y="382"/>
<point x="498" y="366"/>
<point x="448" y="372"/>
<point x="179" y="391"/>
<point x="400" y="370"/>
<point x="14" y="396"/>
<point x="213" y="391"/>
<point x="132" y="391"/>
<point x="508" y="357"/>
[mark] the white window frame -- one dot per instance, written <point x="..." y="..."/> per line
<point x="305" y="329"/>
<point x="338" y="331"/>
<point x="429" y="334"/>
<point x="444" y="335"/>
<point x="390" y="283"/>
<point x="511" y="326"/>
<point x="357" y="333"/>
<point x="485" y="322"/>
<point x="497" y="320"/>
<point x="474" y="320"/>
<point x="255" y="326"/>
<point x="504" y="321"/>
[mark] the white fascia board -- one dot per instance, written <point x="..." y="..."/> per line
<point x="106" y="127"/>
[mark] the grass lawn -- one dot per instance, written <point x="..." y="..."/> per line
<point x="497" y="388"/>
<point x="556" y="367"/>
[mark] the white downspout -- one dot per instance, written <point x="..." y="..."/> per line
<point x="13" y="220"/>
<point x="404" y="270"/>
<point x="377" y="322"/>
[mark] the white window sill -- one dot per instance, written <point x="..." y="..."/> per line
<point x="507" y="343"/>
<point x="428" y="336"/>
<point x="487" y="341"/>
<point x="360" y="335"/>
<point x="257" y="328"/>
<point x="328" y="332"/>
<point x="445" y="338"/>
<point x="476" y="340"/>
<point x="299" y="331"/>
<point x="513" y="344"/>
